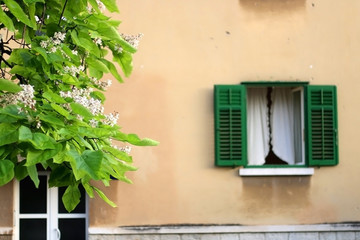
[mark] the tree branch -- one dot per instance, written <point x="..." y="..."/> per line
<point x="62" y="13"/>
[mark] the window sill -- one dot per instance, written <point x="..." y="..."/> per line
<point x="252" y="172"/>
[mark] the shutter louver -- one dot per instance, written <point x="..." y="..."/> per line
<point x="322" y="142"/>
<point x="230" y="125"/>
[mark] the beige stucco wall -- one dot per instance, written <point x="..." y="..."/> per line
<point x="188" y="47"/>
<point x="6" y="206"/>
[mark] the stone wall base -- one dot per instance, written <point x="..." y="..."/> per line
<point x="235" y="236"/>
<point x="338" y="231"/>
<point x="5" y="237"/>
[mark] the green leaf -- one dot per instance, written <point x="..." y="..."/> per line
<point x="31" y="14"/>
<point x="110" y="33"/>
<point x="85" y="42"/>
<point x="21" y="171"/>
<point x="53" y="97"/>
<point x="77" y="108"/>
<point x="25" y="134"/>
<point x="118" y="154"/>
<point x="2" y="151"/>
<point x="95" y="5"/>
<point x="113" y="70"/>
<point x="103" y="197"/>
<point x="51" y="28"/>
<point x="12" y="111"/>
<point x="18" y="12"/>
<point x="39" y="141"/>
<point x="99" y="65"/>
<point x="88" y="189"/>
<point x="110" y="5"/>
<point x="61" y="157"/>
<point x="23" y="71"/>
<point x="75" y="7"/>
<point x="60" y="110"/>
<point x="35" y="156"/>
<point x="8" y="134"/>
<point x="88" y="163"/>
<point x="33" y="173"/>
<point x="69" y="79"/>
<point x="135" y="140"/>
<point x="42" y="52"/>
<point x="83" y="142"/>
<point x="7" y="119"/>
<point x="125" y="62"/>
<point x="98" y="95"/>
<point x="95" y="132"/>
<point x="9" y="86"/>
<point x="6" y="171"/>
<point x="68" y="51"/>
<point x="71" y="197"/>
<point x="51" y="119"/>
<point x="60" y="177"/>
<point x="55" y="57"/>
<point x="93" y="72"/>
<point x="6" y="20"/>
<point x="27" y="2"/>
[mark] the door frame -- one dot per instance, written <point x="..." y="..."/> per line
<point x="52" y="215"/>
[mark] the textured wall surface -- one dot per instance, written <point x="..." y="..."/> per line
<point x="6" y="205"/>
<point x="188" y="46"/>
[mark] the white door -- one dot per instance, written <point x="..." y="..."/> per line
<point x="40" y="214"/>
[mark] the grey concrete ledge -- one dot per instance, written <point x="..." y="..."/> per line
<point x="203" y="229"/>
<point x="252" y="172"/>
<point x="6" y="231"/>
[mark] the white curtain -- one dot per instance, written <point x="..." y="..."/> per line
<point x="282" y="120"/>
<point x="257" y="129"/>
<point x="282" y="124"/>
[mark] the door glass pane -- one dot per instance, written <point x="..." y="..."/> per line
<point x="80" y="208"/>
<point x="32" y="199"/>
<point x="32" y="229"/>
<point x="72" y="228"/>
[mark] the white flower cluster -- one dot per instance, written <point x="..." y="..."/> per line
<point x="111" y="119"/>
<point x="82" y="96"/>
<point x="89" y="9"/>
<point x="126" y="149"/>
<point x="98" y="41"/>
<point x="53" y="42"/>
<point x="118" y="48"/>
<point x="101" y="84"/>
<point x="101" y="5"/>
<point x="93" y="123"/>
<point x="73" y="70"/>
<point x="37" y="19"/>
<point x="26" y="97"/>
<point x="133" y="40"/>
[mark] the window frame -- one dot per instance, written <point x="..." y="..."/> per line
<point x="306" y="108"/>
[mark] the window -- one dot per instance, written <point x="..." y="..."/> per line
<point x="40" y="213"/>
<point x="283" y="124"/>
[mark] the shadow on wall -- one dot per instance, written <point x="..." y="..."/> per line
<point x="269" y="196"/>
<point x="276" y="6"/>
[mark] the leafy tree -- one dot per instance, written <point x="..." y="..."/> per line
<point x="53" y="57"/>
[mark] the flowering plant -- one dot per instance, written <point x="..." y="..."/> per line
<point x="51" y="94"/>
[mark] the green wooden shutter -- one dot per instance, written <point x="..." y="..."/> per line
<point x="230" y="125"/>
<point x="322" y="135"/>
